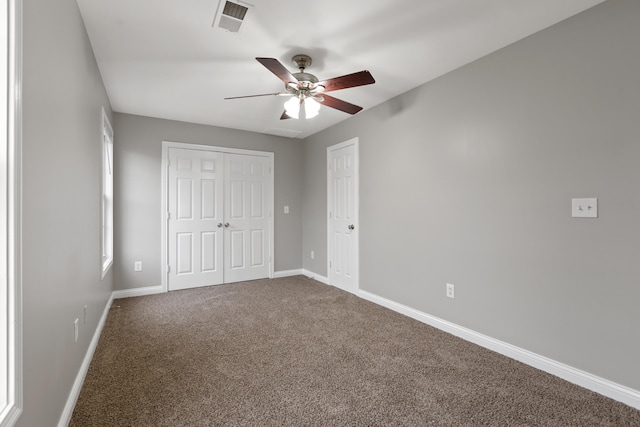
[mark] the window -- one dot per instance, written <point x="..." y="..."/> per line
<point x="107" y="194"/>
<point x="10" y="279"/>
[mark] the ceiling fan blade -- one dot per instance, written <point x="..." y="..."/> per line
<point x="263" y="94"/>
<point x="284" y="116"/>
<point x="339" y="104"/>
<point x="278" y="69"/>
<point x="360" y="78"/>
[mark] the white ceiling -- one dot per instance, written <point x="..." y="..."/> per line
<point x="163" y="58"/>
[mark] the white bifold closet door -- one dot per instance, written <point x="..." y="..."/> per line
<point x="218" y="219"/>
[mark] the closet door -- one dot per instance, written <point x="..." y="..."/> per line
<point x="195" y="219"/>
<point x="247" y="191"/>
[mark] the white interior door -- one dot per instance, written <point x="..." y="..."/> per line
<point x="195" y="223"/>
<point x="342" y="185"/>
<point x="247" y="213"/>
<point x="219" y="217"/>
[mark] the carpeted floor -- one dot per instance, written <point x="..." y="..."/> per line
<point x="295" y="352"/>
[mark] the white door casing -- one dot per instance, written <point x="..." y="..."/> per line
<point x="217" y="215"/>
<point x="195" y="218"/>
<point x="343" y="207"/>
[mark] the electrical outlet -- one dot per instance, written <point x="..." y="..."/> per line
<point x="76" y="328"/>
<point x="313" y="254"/>
<point x="584" y="208"/>
<point x="450" y="290"/>
<point x="137" y="266"/>
<point x="286" y="209"/>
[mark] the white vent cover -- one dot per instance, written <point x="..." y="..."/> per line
<point x="231" y="15"/>
<point x="288" y="133"/>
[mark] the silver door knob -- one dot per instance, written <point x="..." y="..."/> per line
<point x="219" y="224"/>
<point x="351" y="227"/>
<point x="226" y="225"/>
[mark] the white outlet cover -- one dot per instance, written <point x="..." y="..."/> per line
<point x="450" y="290"/>
<point x="137" y="266"/>
<point x="584" y="208"/>
<point x="286" y="209"/>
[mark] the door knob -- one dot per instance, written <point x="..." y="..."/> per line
<point x="219" y="224"/>
<point x="351" y="227"/>
<point x="226" y="225"/>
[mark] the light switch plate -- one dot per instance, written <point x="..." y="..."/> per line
<point x="584" y="208"/>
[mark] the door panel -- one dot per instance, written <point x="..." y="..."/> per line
<point x="257" y="200"/>
<point x="209" y="253"/>
<point x="185" y="198"/>
<point x="236" y="249"/>
<point x="209" y="199"/>
<point x="257" y="248"/>
<point x="236" y="189"/>
<point x="184" y="252"/>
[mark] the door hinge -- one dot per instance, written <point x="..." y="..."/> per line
<point x="168" y="269"/>
<point x="168" y="215"/>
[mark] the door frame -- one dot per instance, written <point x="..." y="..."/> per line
<point x="330" y="150"/>
<point x="164" y="208"/>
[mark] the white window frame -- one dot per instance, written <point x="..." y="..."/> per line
<point x="106" y="148"/>
<point x="10" y="215"/>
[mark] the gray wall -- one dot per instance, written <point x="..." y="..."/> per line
<point x="469" y="180"/>
<point x="138" y="157"/>
<point x="62" y="99"/>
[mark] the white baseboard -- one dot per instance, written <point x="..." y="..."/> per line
<point x="65" y="418"/>
<point x="315" y="276"/>
<point x="138" y="292"/>
<point x="287" y="273"/>
<point x="584" y="379"/>
<point x="309" y="274"/>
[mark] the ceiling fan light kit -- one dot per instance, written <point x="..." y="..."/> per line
<point x="309" y="107"/>
<point x="307" y="91"/>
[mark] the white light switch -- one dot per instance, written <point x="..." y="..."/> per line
<point x="137" y="266"/>
<point x="286" y="209"/>
<point x="584" y="208"/>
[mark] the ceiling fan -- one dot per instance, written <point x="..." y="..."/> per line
<point x="307" y="92"/>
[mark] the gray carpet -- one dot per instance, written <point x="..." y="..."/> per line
<point x="295" y="352"/>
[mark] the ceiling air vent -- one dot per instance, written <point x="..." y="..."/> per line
<point x="231" y="15"/>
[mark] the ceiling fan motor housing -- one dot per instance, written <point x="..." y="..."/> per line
<point x="306" y="85"/>
<point x="302" y="61"/>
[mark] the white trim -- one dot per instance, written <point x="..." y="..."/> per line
<point x="287" y="273"/>
<point x="356" y="143"/>
<point x="67" y="412"/>
<point x="138" y="292"/>
<point x="164" y="255"/>
<point x="11" y="412"/>
<point x="106" y="245"/>
<point x="303" y="272"/>
<point x="584" y="379"/>
<point x="314" y="276"/>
